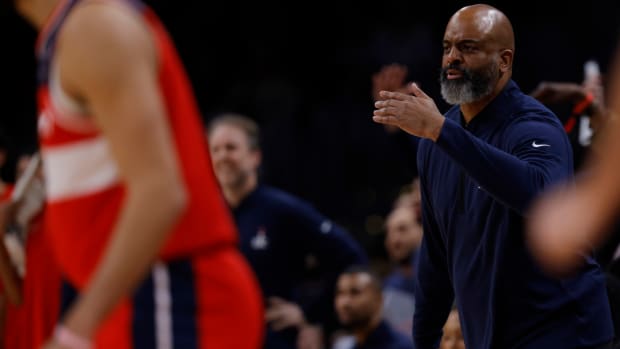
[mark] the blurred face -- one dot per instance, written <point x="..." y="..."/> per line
<point x="233" y="160"/>
<point x="357" y="300"/>
<point x="452" y="336"/>
<point x="470" y="68"/>
<point x="404" y="234"/>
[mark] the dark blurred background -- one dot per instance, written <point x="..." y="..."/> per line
<point x="303" y="71"/>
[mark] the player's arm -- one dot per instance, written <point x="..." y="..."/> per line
<point x="108" y="60"/>
<point x="599" y="185"/>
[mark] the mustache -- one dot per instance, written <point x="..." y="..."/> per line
<point x="464" y="71"/>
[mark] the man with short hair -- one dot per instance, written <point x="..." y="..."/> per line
<point x="279" y="232"/>
<point x="358" y="303"/>
<point x="481" y="166"/>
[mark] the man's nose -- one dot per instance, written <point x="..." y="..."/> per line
<point x="453" y="56"/>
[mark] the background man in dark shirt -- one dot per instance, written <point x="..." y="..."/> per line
<point x="278" y="233"/>
<point x="358" y="303"/>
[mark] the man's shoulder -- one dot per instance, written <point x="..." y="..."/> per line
<point x="400" y="341"/>
<point x="99" y="22"/>
<point x="280" y="198"/>
<point x="528" y="105"/>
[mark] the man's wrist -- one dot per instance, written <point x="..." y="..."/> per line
<point x="436" y="131"/>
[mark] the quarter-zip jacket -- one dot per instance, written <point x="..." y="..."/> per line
<point x="477" y="182"/>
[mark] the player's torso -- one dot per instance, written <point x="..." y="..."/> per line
<point x="85" y="190"/>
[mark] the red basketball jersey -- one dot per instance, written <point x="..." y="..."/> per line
<point x="84" y="191"/>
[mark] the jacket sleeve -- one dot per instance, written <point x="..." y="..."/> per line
<point x="535" y="153"/>
<point x="335" y="250"/>
<point x="433" y="294"/>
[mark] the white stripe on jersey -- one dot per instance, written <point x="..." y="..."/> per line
<point x="163" y="306"/>
<point x="78" y="169"/>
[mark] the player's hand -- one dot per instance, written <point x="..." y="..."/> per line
<point x="65" y="338"/>
<point x="282" y="314"/>
<point x="54" y="345"/>
<point x="416" y="114"/>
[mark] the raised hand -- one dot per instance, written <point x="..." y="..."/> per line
<point x="416" y="114"/>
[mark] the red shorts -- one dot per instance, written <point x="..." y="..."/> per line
<point x="209" y="301"/>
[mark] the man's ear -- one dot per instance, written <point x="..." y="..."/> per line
<point x="506" y="56"/>
<point x="258" y="157"/>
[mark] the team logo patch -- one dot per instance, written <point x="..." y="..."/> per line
<point x="260" y="240"/>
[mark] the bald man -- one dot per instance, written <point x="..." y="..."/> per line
<point x="481" y="165"/>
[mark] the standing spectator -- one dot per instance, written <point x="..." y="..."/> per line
<point x="278" y="232"/>
<point x="403" y="238"/>
<point x="481" y="166"/>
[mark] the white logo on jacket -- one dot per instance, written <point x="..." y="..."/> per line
<point x="260" y="240"/>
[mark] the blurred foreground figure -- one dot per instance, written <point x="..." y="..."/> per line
<point x="572" y="220"/>
<point x="137" y="223"/>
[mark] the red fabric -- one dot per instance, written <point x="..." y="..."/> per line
<point x="29" y="325"/>
<point x="228" y="307"/>
<point x="81" y="224"/>
<point x="227" y="292"/>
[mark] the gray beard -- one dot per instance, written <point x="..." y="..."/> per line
<point x="460" y="93"/>
<point x="471" y="87"/>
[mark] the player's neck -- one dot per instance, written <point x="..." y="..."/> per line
<point x="36" y="11"/>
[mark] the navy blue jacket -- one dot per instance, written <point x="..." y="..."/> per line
<point x="384" y="337"/>
<point x="277" y="232"/>
<point x="477" y="181"/>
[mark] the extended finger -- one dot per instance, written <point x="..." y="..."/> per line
<point x="394" y="95"/>
<point x="386" y="103"/>
<point x="386" y="120"/>
<point x="387" y="111"/>
<point x="415" y="89"/>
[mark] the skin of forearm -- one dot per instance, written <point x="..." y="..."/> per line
<point x="148" y="215"/>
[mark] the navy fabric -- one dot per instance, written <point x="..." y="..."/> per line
<point x="477" y="182"/>
<point x="143" y="319"/>
<point x="181" y="289"/>
<point x="277" y="232"/>
<point x="384" y="337"/>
